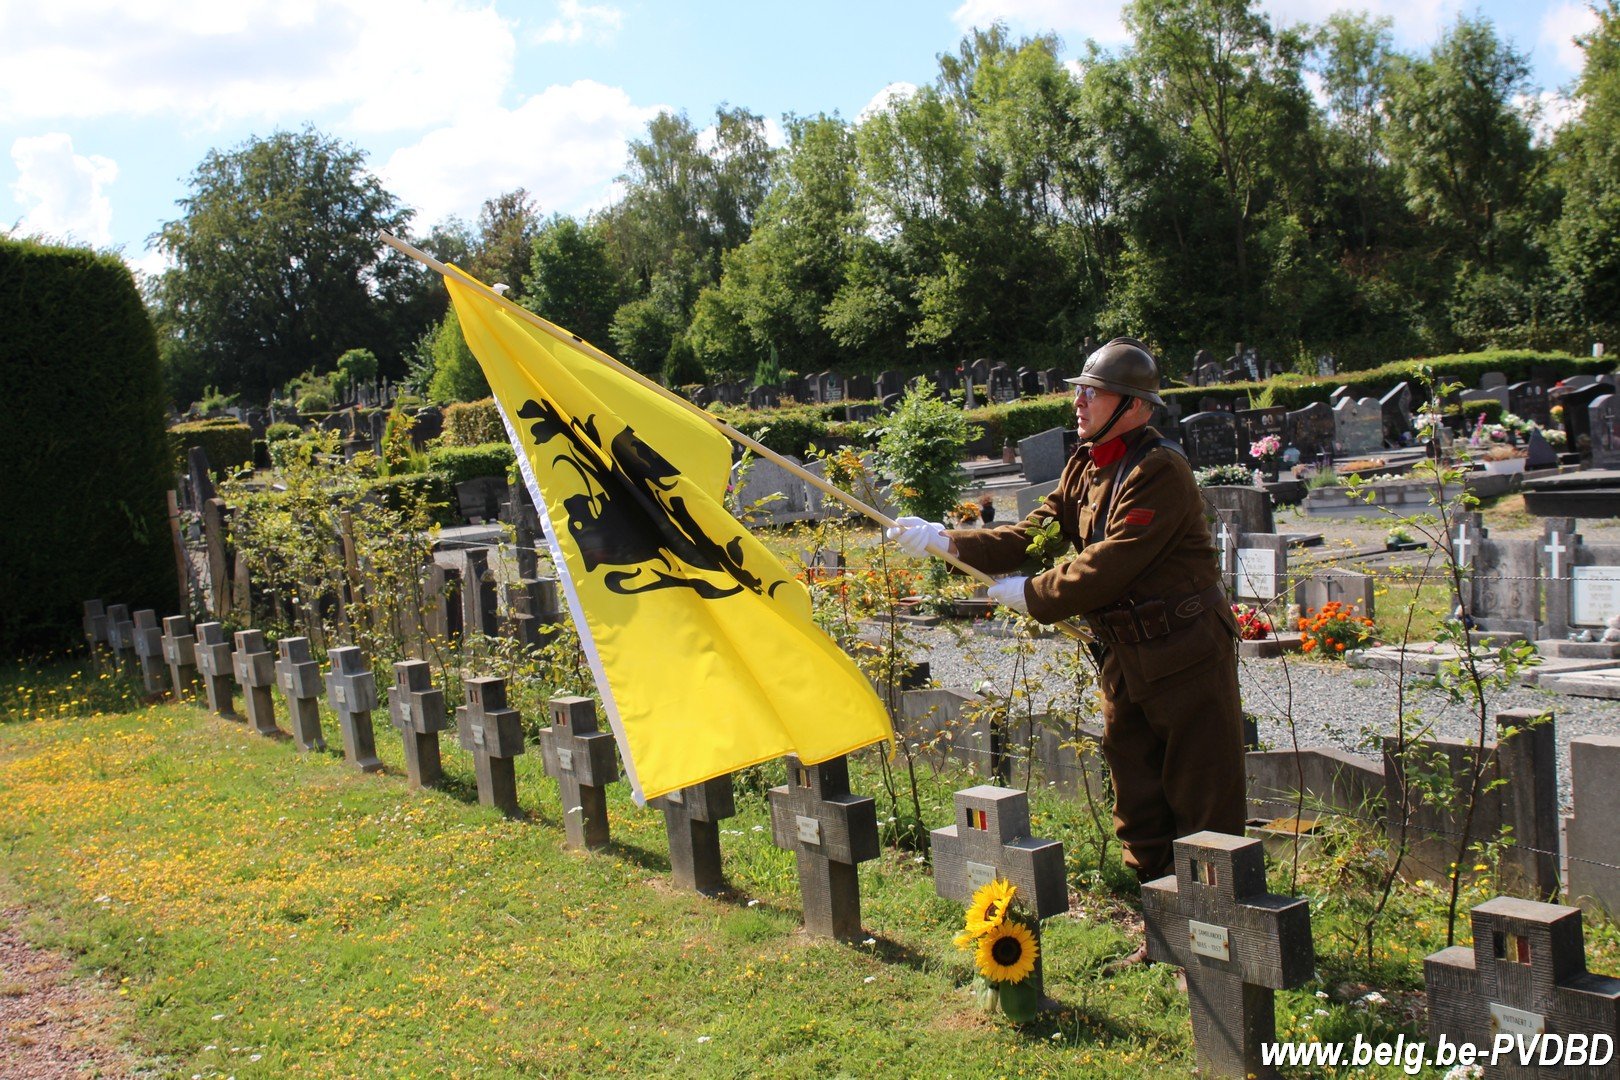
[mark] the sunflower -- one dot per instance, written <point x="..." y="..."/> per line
<point x="989" y="907"/>
<point x="1007" y="953"/>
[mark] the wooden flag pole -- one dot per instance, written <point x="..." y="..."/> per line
<point x="709" y="418"/>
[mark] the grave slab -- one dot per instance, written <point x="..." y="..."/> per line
<point x="1603" y="682"/>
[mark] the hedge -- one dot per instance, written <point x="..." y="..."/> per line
<point x="460" y="463"/>
<point x="227" y="442"/>
<point x="473" y="423"/>
<point x="87" y="460"/>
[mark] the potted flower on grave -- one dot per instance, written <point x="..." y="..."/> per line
<point x="1253" y="624"/>
<point x="1333" y="629"/>
<point x="1265" y="451"/>
<point x="1002" y="939"/>
<point x="1503" y="458"/>
<point x="1400" y="538"/>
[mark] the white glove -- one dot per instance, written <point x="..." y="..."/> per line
<point x="917" y="537"/>
<point x="1009" y="592"/>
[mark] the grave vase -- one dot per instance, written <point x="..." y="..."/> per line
<point x="1018" y="1002"/>
<point x="1506" y="465"/>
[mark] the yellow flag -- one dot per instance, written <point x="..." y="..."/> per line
<point x="702" y="645"/>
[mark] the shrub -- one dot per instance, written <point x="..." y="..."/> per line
<point x="460" y="463"/>
<point x="1015" y="420"/>
<point x="88" y="463"/>
<point x="791" y="429"/>
<point x="227" y="442"/>
<point x="473" y="423"/>
<point x="1334" y="629"/>
<point x="281" y="429"/>
<point x="919" y="449"/>
<point x="1224" y="476"/>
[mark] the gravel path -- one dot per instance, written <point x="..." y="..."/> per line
<point x="52" y="1023"/>
<point x="1331" y="704"/>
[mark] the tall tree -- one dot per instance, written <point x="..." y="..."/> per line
<point x="1583" y="245"/>
<point x="277" y="265"/>
<point x="571" y="279"/>
<point x="508" y="226"/>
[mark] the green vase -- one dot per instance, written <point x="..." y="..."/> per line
<point x="1019" y="1001"/>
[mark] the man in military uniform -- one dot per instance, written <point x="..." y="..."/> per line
<point x="1147" y="581"/>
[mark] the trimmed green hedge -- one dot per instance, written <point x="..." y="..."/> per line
<point x="227" y="442"/>
<point x="473" y="423"/>
<point x="393" y="490"/>
<point x="460" y="463"/>
<point x="87" y="459"/>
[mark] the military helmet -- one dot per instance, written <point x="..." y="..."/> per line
<point x="1123" y="366"/>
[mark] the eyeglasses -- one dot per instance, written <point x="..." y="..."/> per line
<point x="1088" y="394"/>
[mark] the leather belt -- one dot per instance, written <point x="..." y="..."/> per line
<point x="1131" y="622"/>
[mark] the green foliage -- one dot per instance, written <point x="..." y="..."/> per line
<point x="457" y="375"/>
<point x="473" y="423"/>
<point x="282" y="430"/>
<point x="787" y="430"/>
<point x="87" y="459"/>
<point x="1014" y="420"/>
<point x="354" y="367"/>
<point x="459" y="463"/>
<point x="572" y="280"/>
<point x="919" y="449"/>
<point x="1219" y="475"/>
<point x="227" y="442"/>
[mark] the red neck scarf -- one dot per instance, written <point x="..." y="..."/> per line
<point x="1107" y="453"/>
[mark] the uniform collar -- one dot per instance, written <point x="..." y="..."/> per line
<point x="1106" y="453"/>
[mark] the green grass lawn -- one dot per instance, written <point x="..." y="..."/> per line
<point x="268" y="914"/>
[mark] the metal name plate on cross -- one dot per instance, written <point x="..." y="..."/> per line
<point x="351" y="691"/>
<point x="213" y="654"/>
<point x="493" y="735"/>
<point x="583" y="762"/>
<point x="1524" y="975"/>
<point x="180" y="654"/>
<point x="256" y="673"/>
<point x="299" y="677"/>
<point x="830" y="833"/>
<point x="691" y="818"/>
<point x="1237" y="942"/>
<point x="417" y="710"/>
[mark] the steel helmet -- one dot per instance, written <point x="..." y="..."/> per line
<point x="1123" y="366"/>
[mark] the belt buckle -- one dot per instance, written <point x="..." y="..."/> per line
<point x="1122" y="624"/>
<point x="1153" y="618"/>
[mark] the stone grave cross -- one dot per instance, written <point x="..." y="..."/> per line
<point x="581" y="759"/>
<point x="120" y="632"/>
<point x="416" y="708"/>
<point x="255" y="668"/>
<point x="691" y="818"/>
<point x="351" y="691"/>
<point x="213" y="654"/>
<point x="1237" y="942"/>
<point x="493" y="735"/>
<point x="300" y="679"/>
<point x="1462" y="540"/>
<point x="1524" y="976"/>
<point x="148" y="641"/>
<point x="180" y="653"/>
<point x="95" y="627"/>
<point x="831" y="832"/>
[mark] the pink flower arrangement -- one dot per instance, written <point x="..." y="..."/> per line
<point x="1265" y="447"/>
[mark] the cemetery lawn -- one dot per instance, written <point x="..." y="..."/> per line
<point x="259" y="913"/>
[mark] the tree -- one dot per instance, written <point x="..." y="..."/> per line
<point x="1587" y="168"/>
<point x="354" y="367"/>
<point x="276" y="262"/>
<point x="457" y="375"/>
<point x="508" y="226"/>
<point x="571" y="279"/>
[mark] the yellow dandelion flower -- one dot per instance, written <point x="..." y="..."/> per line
<point x="988" y="909"/>
<point x="1007" y="953"/>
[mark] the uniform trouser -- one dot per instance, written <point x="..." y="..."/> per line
<point x="1176" y="754"/>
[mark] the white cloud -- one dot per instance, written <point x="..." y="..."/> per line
<point x="885" y="99"/>
<point x="378" y="64"/>
<point x="1097" y="21"/>
<point x="1416" y="23"/>
<point x="578" y="22"/>
<point x="565" y="145"/>
<point x="62" y="192"/>
<point x="1559" y="28"/>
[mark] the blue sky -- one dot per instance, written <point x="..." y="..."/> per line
<point x="106" y="106"/>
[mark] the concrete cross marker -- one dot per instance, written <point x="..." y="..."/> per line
<point x="95" y="626"/>
<point x="990" y="839"/>
<point x="1524" y="976"/>
<point x="831" y="832"/>
<point x="493" y="735"/>
<point x="213" y="654"/>
<point x="417" y="710"/>
<point x="351" y="691"/>
<point x="255" y="669"/>
<point x="582" y="761"/>
<point x="148" y="642"/>
<point x="180" y="653"/>
<point x="120" y="635"/>
<point x="691" y="817"/>
<point x="1237" y="942"/>
<point x="1462" y="540"/>
<point x="299" y="677"/>
<point x="1554" y="548"/>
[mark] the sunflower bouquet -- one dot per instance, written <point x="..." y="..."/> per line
<point x="1003" y="942"/>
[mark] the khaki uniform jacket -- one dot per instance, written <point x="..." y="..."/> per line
<point x="1156" y="546"/>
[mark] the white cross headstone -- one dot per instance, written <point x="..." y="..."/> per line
<point x="1461" y="543"/>
<point x="1554" y="548"/>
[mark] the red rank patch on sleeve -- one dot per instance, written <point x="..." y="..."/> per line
<point x="1139" y="516"/>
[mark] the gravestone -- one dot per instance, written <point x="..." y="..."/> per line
<point x="1254" y="424"/>
<point x="860" y="412"/>
<point x="581" y="759"/>
<point x="493" y="735"/>
<point x="416" y="708"/>
<point x="950" y="726"/>
<point x="1339" y="394"/>
<point x="1581" y="583"/>
<point x="1523" y="979"/>
<point x="1538" y="452"/>
<point x="1326" y="366"/>
<point x="1237" y="942"/>
<point x="255" y="668"/>
<point x="1395" y="408"/>
<point x="1045" y="454"/>
<point x="764" y="397"/>
<point x="180" y="653"/>
<point x="770" y="494"/>
<point x="1591" y="841"/>
<point x="1310" y="430"/>
<point x="1209" y="374"/>
<point x="478" y="608"/>
<point x="147" y="640"/>
<point x="1052" y="381"/>
<point x="691" y="820"/>
<point x="441" y="595"/>
<point x="1335" y="583"/>
<point x="121" y="636"/>
<point x="95" y="630"/>
<point x="533" y="608"/>
<point x="299" y="677"/>
<point x="1001" y="385"/>
<point x="1248" y="507"/>
<point x="890" y="382"/>
<point x="1528" y="400"/>
<point x="1503" y="588"/>
<point x="351" y="691"/>
<point x="830" y="832"/>
<point x="1577" y="401"/>
<point x="1603" y="430"/>
<point x="978" y="372"/>
<point x="1260" y="568"/>
<point x="1358" y="426"/>
<point x="1492" y="380"/>
<point x="701" y="396"/>
<point x="1029" y="382"/>
<point x="1210" y="438"/>
<point x="829" y="387"/>
<point x="858" y="388"/>
<point x="213" y="654"/>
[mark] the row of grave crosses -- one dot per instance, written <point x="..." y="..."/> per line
<point x="1524" y="975"/>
